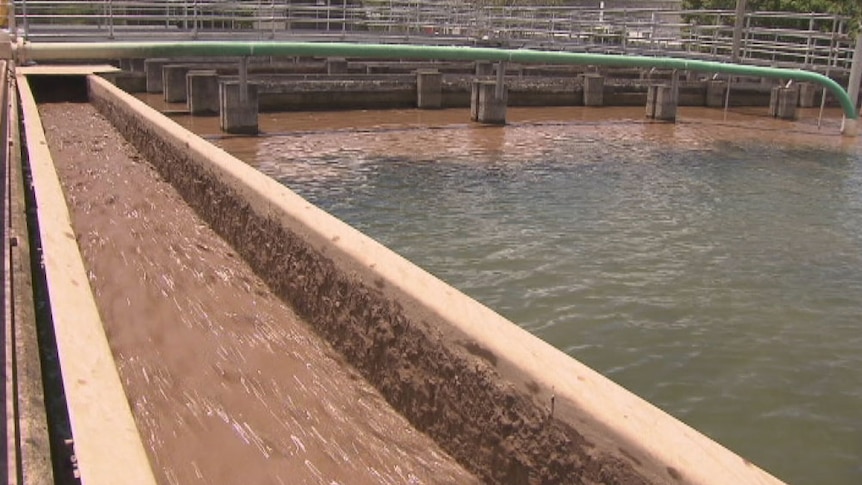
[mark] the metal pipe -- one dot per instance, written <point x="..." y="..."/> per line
<point x="119" y="50"/>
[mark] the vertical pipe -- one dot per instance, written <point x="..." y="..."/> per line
<point x="856" y="70"/>
<point x="737" y="30"/>
<point x="828" y="69"/>
<point x="674" y="87"/>
<point x="727" y="96"/>
<point x="243" y="80"/>
<point x="501" y="78"/>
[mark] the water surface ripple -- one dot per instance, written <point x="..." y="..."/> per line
<point x="712" y="267"/>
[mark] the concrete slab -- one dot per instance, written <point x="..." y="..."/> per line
<point x="54" y="70"/>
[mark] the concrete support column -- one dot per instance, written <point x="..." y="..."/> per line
<point x="715" y="93"/>
<point x="783" y="102"/>
<point x="202" y="92"/>
<point x="594" y="87"/>
<point x="501" y="79"/>
<point x="234" y="115"/>
<point x="130" y="82"/>
<point x="771" y="81"/>
<point x="174" y="82"/>
<point x="661" y="102"/>
<point x="336" y="65"/>
<point x="484" y="68"/>
<point x="153" y="68"/>
<point x="485" y="106"/>
<point x="808" y="95"/>
<point x="137" y="65"/>
<point x="429" y="89"/>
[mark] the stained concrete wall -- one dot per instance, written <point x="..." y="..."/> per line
<point x="508" y="406"/>
<point x="28" y="447"/>
<point x="107" y="447"/>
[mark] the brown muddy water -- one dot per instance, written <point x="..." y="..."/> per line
<point x="713" y="266"/>
<point x="226" y="383"/>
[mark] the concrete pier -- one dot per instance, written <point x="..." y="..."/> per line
<point x="484" y="68"/>
<point x="336" y="65"/>
<point x="716" y="91"/>
<point x="153" y="68"/>
<point x="594" y="87"/>
<point x="429" y="89"/>
<point x="174" y="82"/>
<point x="132" y="65"/>
<point x="235" y="114"/>
<point x="783" y="102"/>
<point x="661" y="103"/>
<point x="485" y="105"/>
<point x="130" y="82"/>
<point x="809" y="95"/>
<point x="202" y="92"/>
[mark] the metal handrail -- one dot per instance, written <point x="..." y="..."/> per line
<point x="824" y="42"/>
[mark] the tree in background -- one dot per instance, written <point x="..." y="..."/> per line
<point x="852" y="8"/>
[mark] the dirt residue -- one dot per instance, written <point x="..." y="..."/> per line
<point x="226" y="383"/>
<point x="457" y="398"/>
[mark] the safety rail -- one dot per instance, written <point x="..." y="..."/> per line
<point x="814" y="41"/>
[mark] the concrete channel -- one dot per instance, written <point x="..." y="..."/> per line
<point x="506" y="406"/>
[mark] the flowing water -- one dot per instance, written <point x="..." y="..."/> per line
<point x="713" y="266"/>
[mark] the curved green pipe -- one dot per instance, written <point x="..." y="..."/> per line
<point x="117" y="50"/>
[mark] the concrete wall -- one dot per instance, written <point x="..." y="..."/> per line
<point x="106" y="446"/>
<point x="28" y="447"/>
<point x="508" y="406"/>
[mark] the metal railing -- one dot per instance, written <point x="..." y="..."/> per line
<point x="812" y="41"/>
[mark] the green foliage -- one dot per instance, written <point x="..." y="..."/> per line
<point x="844" y="7"/>
<point x="850" y="8"/>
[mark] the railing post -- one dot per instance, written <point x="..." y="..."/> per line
<point x="737" y="30"/>
<point x="808" y="43"/>
<point x="652" y="31"/>
<point x="110" y="19"/>
<point x="272" y="19"/>
<point x="195" y="19"/>
<point x="26" y="21"/>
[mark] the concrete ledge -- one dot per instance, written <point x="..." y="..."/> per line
<point x="106" y="442"/>
<point x="508" y="406"/>
<point x="28" y="442"/>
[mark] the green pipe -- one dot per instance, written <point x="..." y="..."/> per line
<point x="117" y="50"/>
